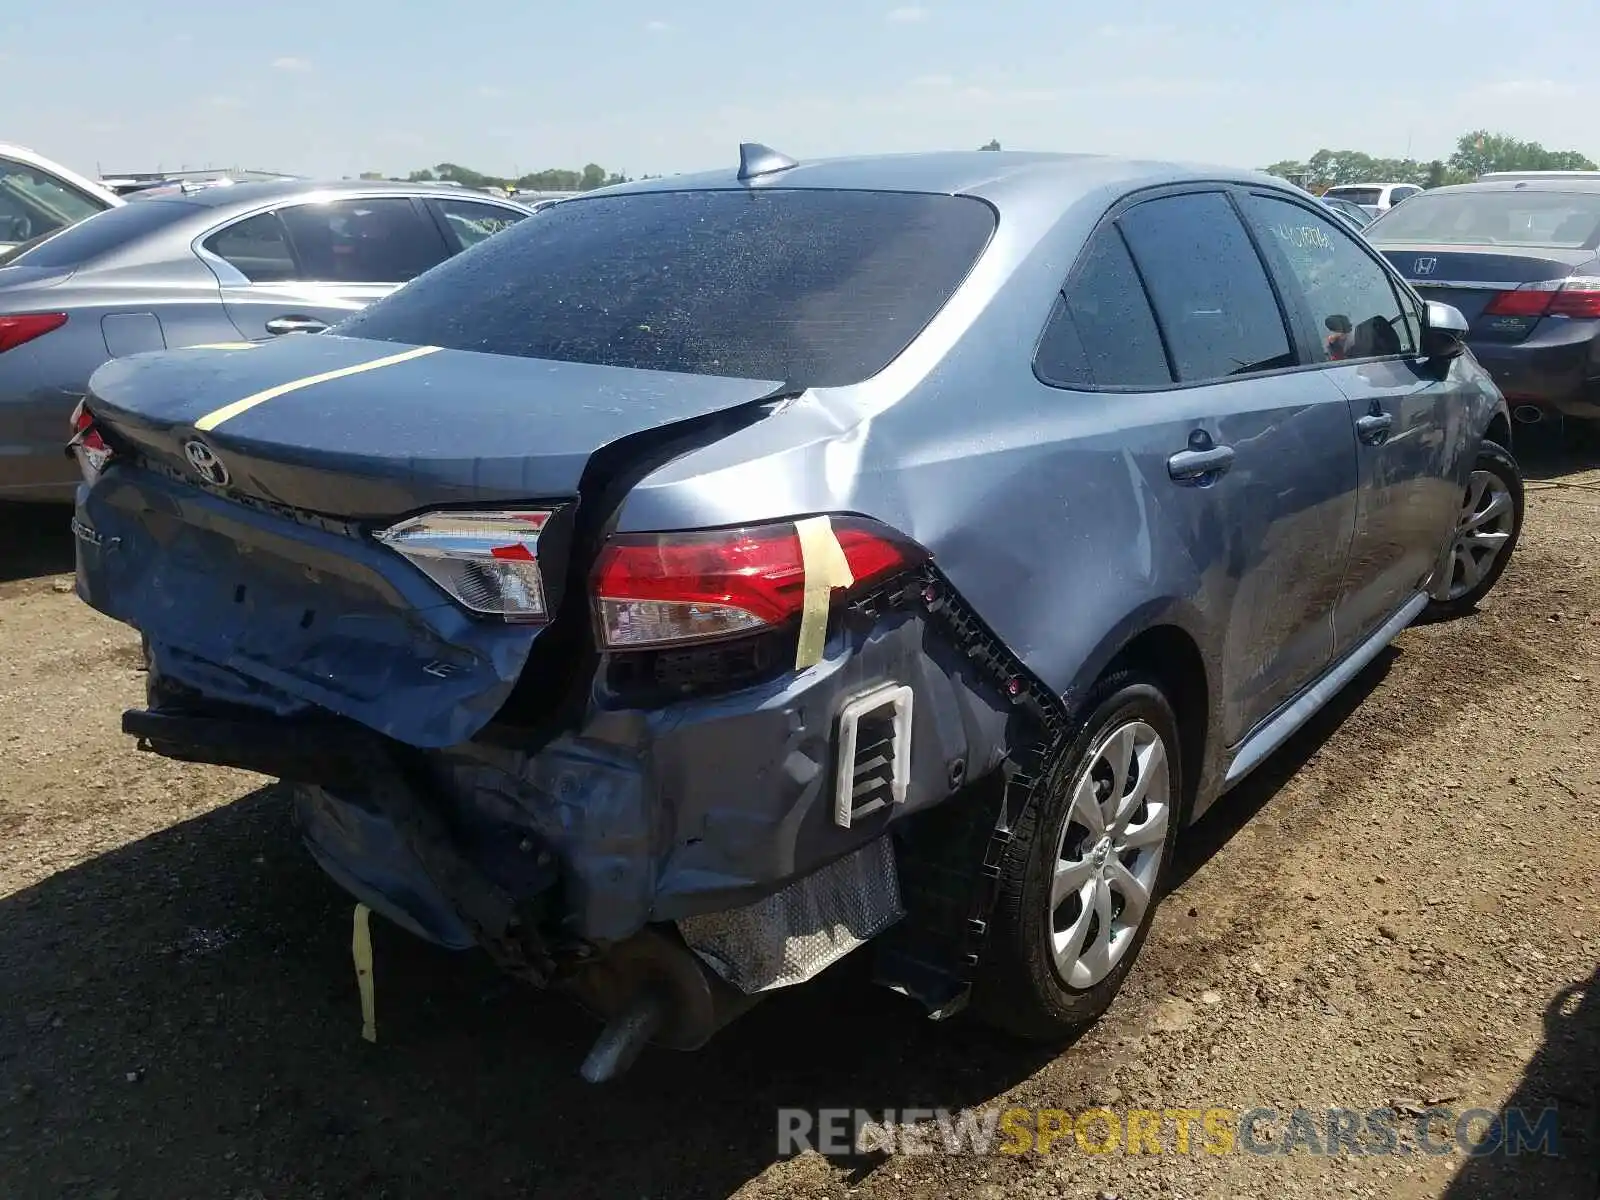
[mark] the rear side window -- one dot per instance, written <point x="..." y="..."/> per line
<point x="383" y="240"/>
<point x="812" y="287"/>
<point x="257" y="247"/>
<point x="1349" y="296"/>
<point x="1102" y="332"/>
<point x="1211" y="294"/>
<point x="1356" y="195"/>
<point x="467" y="222"/>
<point x="100" y="234"/>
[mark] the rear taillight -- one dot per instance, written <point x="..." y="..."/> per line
<point x="24" y="327"/>
<point x="667" y="589"/>
<point x="1577" y="296"/>
<point x="87" y="446"/>
<point x="487" y="561"/>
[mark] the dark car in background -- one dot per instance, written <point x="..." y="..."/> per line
<point x="1520" y="258"/>
<point x="190" y="267"/>
<point x="1354" y="213"/>
<point x="715" y="574"/>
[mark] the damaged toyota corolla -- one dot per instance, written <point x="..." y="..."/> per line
<point x="683" y="590"/>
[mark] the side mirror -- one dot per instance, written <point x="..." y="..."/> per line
<point x="1444" y="331"/>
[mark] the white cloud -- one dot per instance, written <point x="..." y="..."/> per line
<point x="489" y="92"/>
<point x="291" y="63"/>
<point x="907" y="14"/>
<point x="224" y="102"/>
<point x="657" y="26"/>
<point x="1531" y="89"/>
<point x="935" y="82"/>
<point x="1137" y="32"/>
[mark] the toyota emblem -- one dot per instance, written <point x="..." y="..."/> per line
<point x="206" y="464"/>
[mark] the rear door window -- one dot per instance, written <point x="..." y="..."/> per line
<point x="384" y="240"/>
<point x="1102" y="332"/>
<point x="1349" y="297"/>
<point x="813" y="287"/>
<point x="257" y="247"/>
<point x="467" y="222"/>
<point x="1212" y="298"/>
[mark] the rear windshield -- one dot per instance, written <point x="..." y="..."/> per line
<point x="1356" y="195"/>
<point x="93" y="237"/>
<point x="811" y="287"/>
<point x="1560" y="220"/>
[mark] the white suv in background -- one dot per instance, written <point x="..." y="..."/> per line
<point x="1376" y="198"/>
<point x="38" y="196"/>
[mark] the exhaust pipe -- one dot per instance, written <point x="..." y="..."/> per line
<point x="1528" y="414"/>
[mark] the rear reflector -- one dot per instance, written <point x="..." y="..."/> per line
<point x="487" y="561"/>
<point x="1577" y="296"/>
<point x="87" y="446"/>
<point x="667" y="589"/>
<point x="24" y="327"/>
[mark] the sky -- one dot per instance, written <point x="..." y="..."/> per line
<point x="338" y="87"/>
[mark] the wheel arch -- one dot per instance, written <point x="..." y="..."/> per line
<point x="1164" y="646"/>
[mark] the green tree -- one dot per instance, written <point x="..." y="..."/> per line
<point x="992" y="145"/>
<point x="1481" y="151"/>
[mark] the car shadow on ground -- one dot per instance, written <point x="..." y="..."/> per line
<point x="35" y="540"/>
<point x="180" y="1017"/>
<point x="1564" y="1075"/>
<point x="1548" y="450"/>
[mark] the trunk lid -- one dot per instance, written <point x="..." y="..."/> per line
<point x="268" y="590"/>
<point x="1470" y="277"/>
<point x="366" y="430"/>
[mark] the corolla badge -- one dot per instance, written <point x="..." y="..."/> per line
<point x="206" y="464"/>
<point x="1425" y="266"/>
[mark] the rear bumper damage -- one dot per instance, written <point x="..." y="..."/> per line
<point x="667" y="864"/>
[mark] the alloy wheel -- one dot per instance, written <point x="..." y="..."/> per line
<point x="1483" y="531"/>
<point x="1110" y="852"/>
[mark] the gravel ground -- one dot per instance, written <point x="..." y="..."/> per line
<point x="1401" y="909"/>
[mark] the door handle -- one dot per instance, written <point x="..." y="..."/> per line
<point x="1373" y="429"/>
<point x="1199" y="466"/>
<point x="281" y="325"/>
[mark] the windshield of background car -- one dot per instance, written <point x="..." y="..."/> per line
<point x="1565" y="220"/>
<point x="100" y="233"/>
<point x="1356" y="195"/>
<point x="816" y="288"/>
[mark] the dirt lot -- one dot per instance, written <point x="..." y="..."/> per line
<point x="1403" y="908"/>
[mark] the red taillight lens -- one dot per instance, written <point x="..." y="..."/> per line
<point x="1578" y="296"/>
<point x="487" y="561"/>
<point x="24" y="327"/>
<point x="87" y="446"/>
<point x="671" y="588"/>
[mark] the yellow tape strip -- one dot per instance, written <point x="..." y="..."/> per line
<point x="826" y="568"/>
<point x="212" y="419"/>
<point x="361" y="951"/>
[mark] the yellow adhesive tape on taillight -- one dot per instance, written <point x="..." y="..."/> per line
<point x="361" y="951"/>
<point x="212" y="419"/>
<point x="826" y="568"/>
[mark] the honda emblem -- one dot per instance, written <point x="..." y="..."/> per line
<point x="1425" y="266"/>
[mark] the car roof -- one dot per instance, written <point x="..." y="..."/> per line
<point x="1398" y="183"/>
<point x="248" y="195"/>
<point x="982" y="173"/>
<point x="1590" y="186"/>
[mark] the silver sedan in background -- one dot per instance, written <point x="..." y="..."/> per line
<point x="246" y="262"/>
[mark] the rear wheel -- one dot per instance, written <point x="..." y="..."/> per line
<point x="1486" y="531"/>
<point x="1079" y="885"/>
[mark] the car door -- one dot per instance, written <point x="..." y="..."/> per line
<point x="1366" y="331"/>
<point x="1171" y="311"/>
<point x="304" y="266"/>
<point x="465" y="223"/>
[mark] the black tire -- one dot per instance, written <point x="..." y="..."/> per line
<point x="1019" y="988"/>
<point x="1497" y="461"/>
